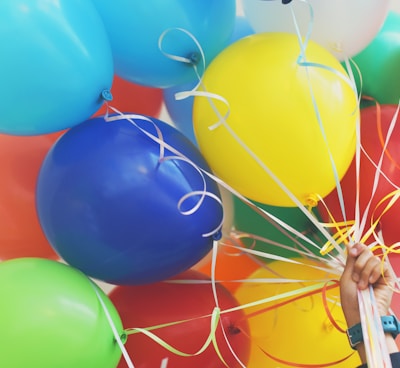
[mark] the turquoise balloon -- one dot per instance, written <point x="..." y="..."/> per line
<point x="135" y="28"/>
<point x="55" y="62"/>
<point x="51" y="316"/>
<point x="379" y="64"/>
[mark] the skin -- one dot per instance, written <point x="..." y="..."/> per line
<point x="362" y="269"/>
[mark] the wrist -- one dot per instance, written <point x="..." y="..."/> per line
<point x="390" y="325"/>
<point x="352" y="317"/>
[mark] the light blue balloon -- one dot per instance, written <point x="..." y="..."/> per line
<point x="180" y="111"/>
<point x="242" y="29"/>
<point x="55" y="62"/>
<point x="135" y="28"/>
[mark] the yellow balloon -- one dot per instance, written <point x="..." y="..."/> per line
<point x="292" y="118"/>
<point x="300" y="331"/>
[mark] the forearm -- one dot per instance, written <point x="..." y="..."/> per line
<point x="390" y="343"/>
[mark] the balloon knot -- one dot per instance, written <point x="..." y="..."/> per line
<point x="217" y="235"/>
<point x="312" y="200"/>
<point x="106" y="95"/>
<point x="194" y="58"/>
<point x="233" y="330"/>
<point x="123" y="337"/>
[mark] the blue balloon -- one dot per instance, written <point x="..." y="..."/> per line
<point x="56" y="61"/>
<point x="110" y="207"/>
<point x="135" y="29"/>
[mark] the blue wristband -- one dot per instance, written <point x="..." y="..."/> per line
<point x="390" y="325"/>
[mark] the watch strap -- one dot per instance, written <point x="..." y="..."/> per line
<point x="390" y="325"/>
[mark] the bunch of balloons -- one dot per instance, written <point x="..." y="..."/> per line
<point x="194" y="159"/>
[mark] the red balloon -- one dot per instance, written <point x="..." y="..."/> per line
<point x="131" y="97"/>
<point x="163" y="302"/>
<point x="20" y="161"/>
<point x="374" y="125"/>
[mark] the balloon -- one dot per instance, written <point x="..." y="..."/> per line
<point x="394" y="6"/>
<point x="51" y="316"/>
<point x="242" y="29"/>
<point x="232" y="264"/>
<point x="127" y="96"/>
<point x="56" y="62"/>
<point x="279" y="122"/>
<point x="378" y="63"/>
<point x="373" y="135"/>
<point x="20" y="161"/>
<point x="298" y="332"/>
<point x="113" y="208"/>
<point x="341" y="26"/>
<point x="247" y="221"/>
<point x="181" y="110"/>
<point x="163" y="302"/>
<point x="141" y="33"/>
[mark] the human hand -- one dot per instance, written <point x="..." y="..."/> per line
<point x="362" y="269"/>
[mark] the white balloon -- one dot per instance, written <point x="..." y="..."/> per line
<point x="344" y="27"/>
<point x="394" y="6"/>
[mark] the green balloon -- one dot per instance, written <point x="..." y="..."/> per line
<point x="246" y="220"/>
<point x="52" y="317"/>
<point x="379" y="64"/>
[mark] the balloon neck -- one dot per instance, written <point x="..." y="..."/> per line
<point x="217" y="235"/>
<point x="106" y="95"/>
<point x="233" y="330"/>
<point x="123" y="337"/>
<point x="312" y="200"/>
<point x="194" y="58"/>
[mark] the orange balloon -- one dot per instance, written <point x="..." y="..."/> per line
<point x="134" y="98"/>
<point x="232" y="265"/>
<point x="20" y="161"/>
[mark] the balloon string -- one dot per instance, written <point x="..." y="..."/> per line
<point x="378" y="167"/>
<point x="274" y="257"/>
<point x="222" y="121"/>
<point x="374" y="340"/>
<point x="393" y="196"/>
<point x="117" y="336"/>
<point x="193" y="59"/>
<point x="302" y="62"/>
<point x="328" y="310"/>
<point x="263" y="254"/>
<point x="256" y="238"/>
<point x="352" y="231"/>
<point x="215" y="295"/>
<point x="211" y="339"/>
<point x="295" y="364"/>
<point x="292" y="298"/>
<point x="394" y="249"/>
<point x="380" y="133"/>
<point x="178" y="155"/>
<point x="350" y="81"/>
<point x="164" y="363"/>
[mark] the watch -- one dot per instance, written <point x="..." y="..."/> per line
<point x="390" y="325"/>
